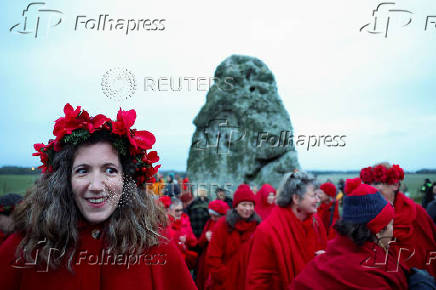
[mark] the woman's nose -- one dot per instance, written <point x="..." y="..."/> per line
<point x="96" y="182"/>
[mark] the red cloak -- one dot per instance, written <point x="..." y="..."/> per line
<point x="203" y="243"/>
<point x="415" y="232"/>
<point x="347" y="266"/>
<point x="182" y="227"/>
<point x="325" y="214"/>
<point x="161" y="267"/>
<point x="262" y="207"/>
<point x="228" y="251"/>
<point x="282" y="246"/>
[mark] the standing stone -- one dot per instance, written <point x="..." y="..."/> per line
<point x="243" y="132"/>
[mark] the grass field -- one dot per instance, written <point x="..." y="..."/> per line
<point x="16" y="183"/>
<point x="19" y="183"/>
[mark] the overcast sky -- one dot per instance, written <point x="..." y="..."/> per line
<point x="333" y="78"/>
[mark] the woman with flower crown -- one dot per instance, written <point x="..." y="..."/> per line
<point x="414" y="230"/>
<point x="87" y="222"/>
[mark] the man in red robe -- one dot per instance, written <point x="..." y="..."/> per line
<point x="414" y="230"/>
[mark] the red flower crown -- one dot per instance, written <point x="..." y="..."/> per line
<point x="77" y="126"/>
<point x="381" y="174"/>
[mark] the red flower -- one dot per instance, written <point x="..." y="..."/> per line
<point x="143" y="140"/>
<point x="76" y="119"/>
<point x="366" y="175"/>
<point x="151" y="157"/>
<point x="379" y="173"/>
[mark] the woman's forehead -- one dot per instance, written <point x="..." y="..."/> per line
<point x="99" y="153"/>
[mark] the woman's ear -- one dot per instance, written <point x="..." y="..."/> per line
<point x="295" y="199"/>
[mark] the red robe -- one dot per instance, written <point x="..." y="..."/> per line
<point x="324" y="214"/>
<point x="346" y="266"/>
<point x="203" y="243"/>
<point x="182" y="227"/>
<point x="227" y="253"/>
<point x="161" y="267"/>
<point x="415" y="233"/>
<point x="282" y="246"/>
<point x="262" y="207"/>
<point x="3" y="237"/>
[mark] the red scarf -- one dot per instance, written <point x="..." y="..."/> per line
<point x="294" y="241"/>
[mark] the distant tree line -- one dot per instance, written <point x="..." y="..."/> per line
<point x="19" y="170"/>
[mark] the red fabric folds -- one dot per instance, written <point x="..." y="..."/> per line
<point x="282" y="246"/>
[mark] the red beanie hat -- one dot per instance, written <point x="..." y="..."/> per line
<point x="329" y="189"/>
<point x="219" y="206"/>
<point x="165" y="200"/>
<point x="186" y="197"/>
<point x="243" y="193"/>
<point x="363" y="204"/>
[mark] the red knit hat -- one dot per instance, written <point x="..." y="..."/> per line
<point x="329" y="189"/>
<point x="243" y="193"/>
<point x="165" y="200"/>
<point x="363" y="204"/>
<point x="219" y="206"/>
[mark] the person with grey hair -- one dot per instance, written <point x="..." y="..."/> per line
<point x="289" y="238"/>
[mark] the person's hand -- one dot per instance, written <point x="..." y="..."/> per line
<point x="183" y="239"/>
<point x="208" y="235"/>
<point x="319" y="252"/>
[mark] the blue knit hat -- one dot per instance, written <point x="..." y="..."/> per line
<point x="363" y="204"/>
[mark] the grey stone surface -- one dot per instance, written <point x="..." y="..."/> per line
<point x="243" y="132"/>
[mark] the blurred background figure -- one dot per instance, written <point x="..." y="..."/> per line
<point x="181" y="233"/>
<point x="221" y="194"/>
<point x="431" y="207"/>
<point x="328" y="209"/>
<point x="265" y="201"/>
<point x="172" y="189"/>
<point x="427" y="193"/>
<point x="217" y="209"/>
<point x="198" y="212"/>
<point x="8" y="203"/>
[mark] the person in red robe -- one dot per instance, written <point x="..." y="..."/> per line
<point x="328" y="209"/>
<point x="265" y="201"/>
<point x="88" y="223"/>
<point x="180" y="231"/>
<point x="358" y="258"/>
<point x="229" y="245"/>
<point x="217" y="209"/>
<point x="289" y="238"/>
<point x="414" y="230"/>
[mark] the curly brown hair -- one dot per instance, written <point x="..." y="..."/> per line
<point x="49" y="213"/>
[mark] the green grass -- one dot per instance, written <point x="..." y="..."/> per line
<point x="14" y="183"/>
<point x="411" y="180"/>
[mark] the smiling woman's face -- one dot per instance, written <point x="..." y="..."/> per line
<point x="96" y="181"/>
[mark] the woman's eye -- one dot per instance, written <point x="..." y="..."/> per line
<point x="81" y="171"/>
<point x="111" y="170"/>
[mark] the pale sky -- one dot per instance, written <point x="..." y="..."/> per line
<point x="333" y="79"/>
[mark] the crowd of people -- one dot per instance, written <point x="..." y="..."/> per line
<point x="101" y="217"/>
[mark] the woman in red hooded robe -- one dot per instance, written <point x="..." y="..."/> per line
<point x="265" y="201"/>
<point x="291" y="236"/>
<point x="328" y="209"/>
<point x="229" y="246"/>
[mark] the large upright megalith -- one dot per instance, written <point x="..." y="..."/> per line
<point x="243" y="132"/>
